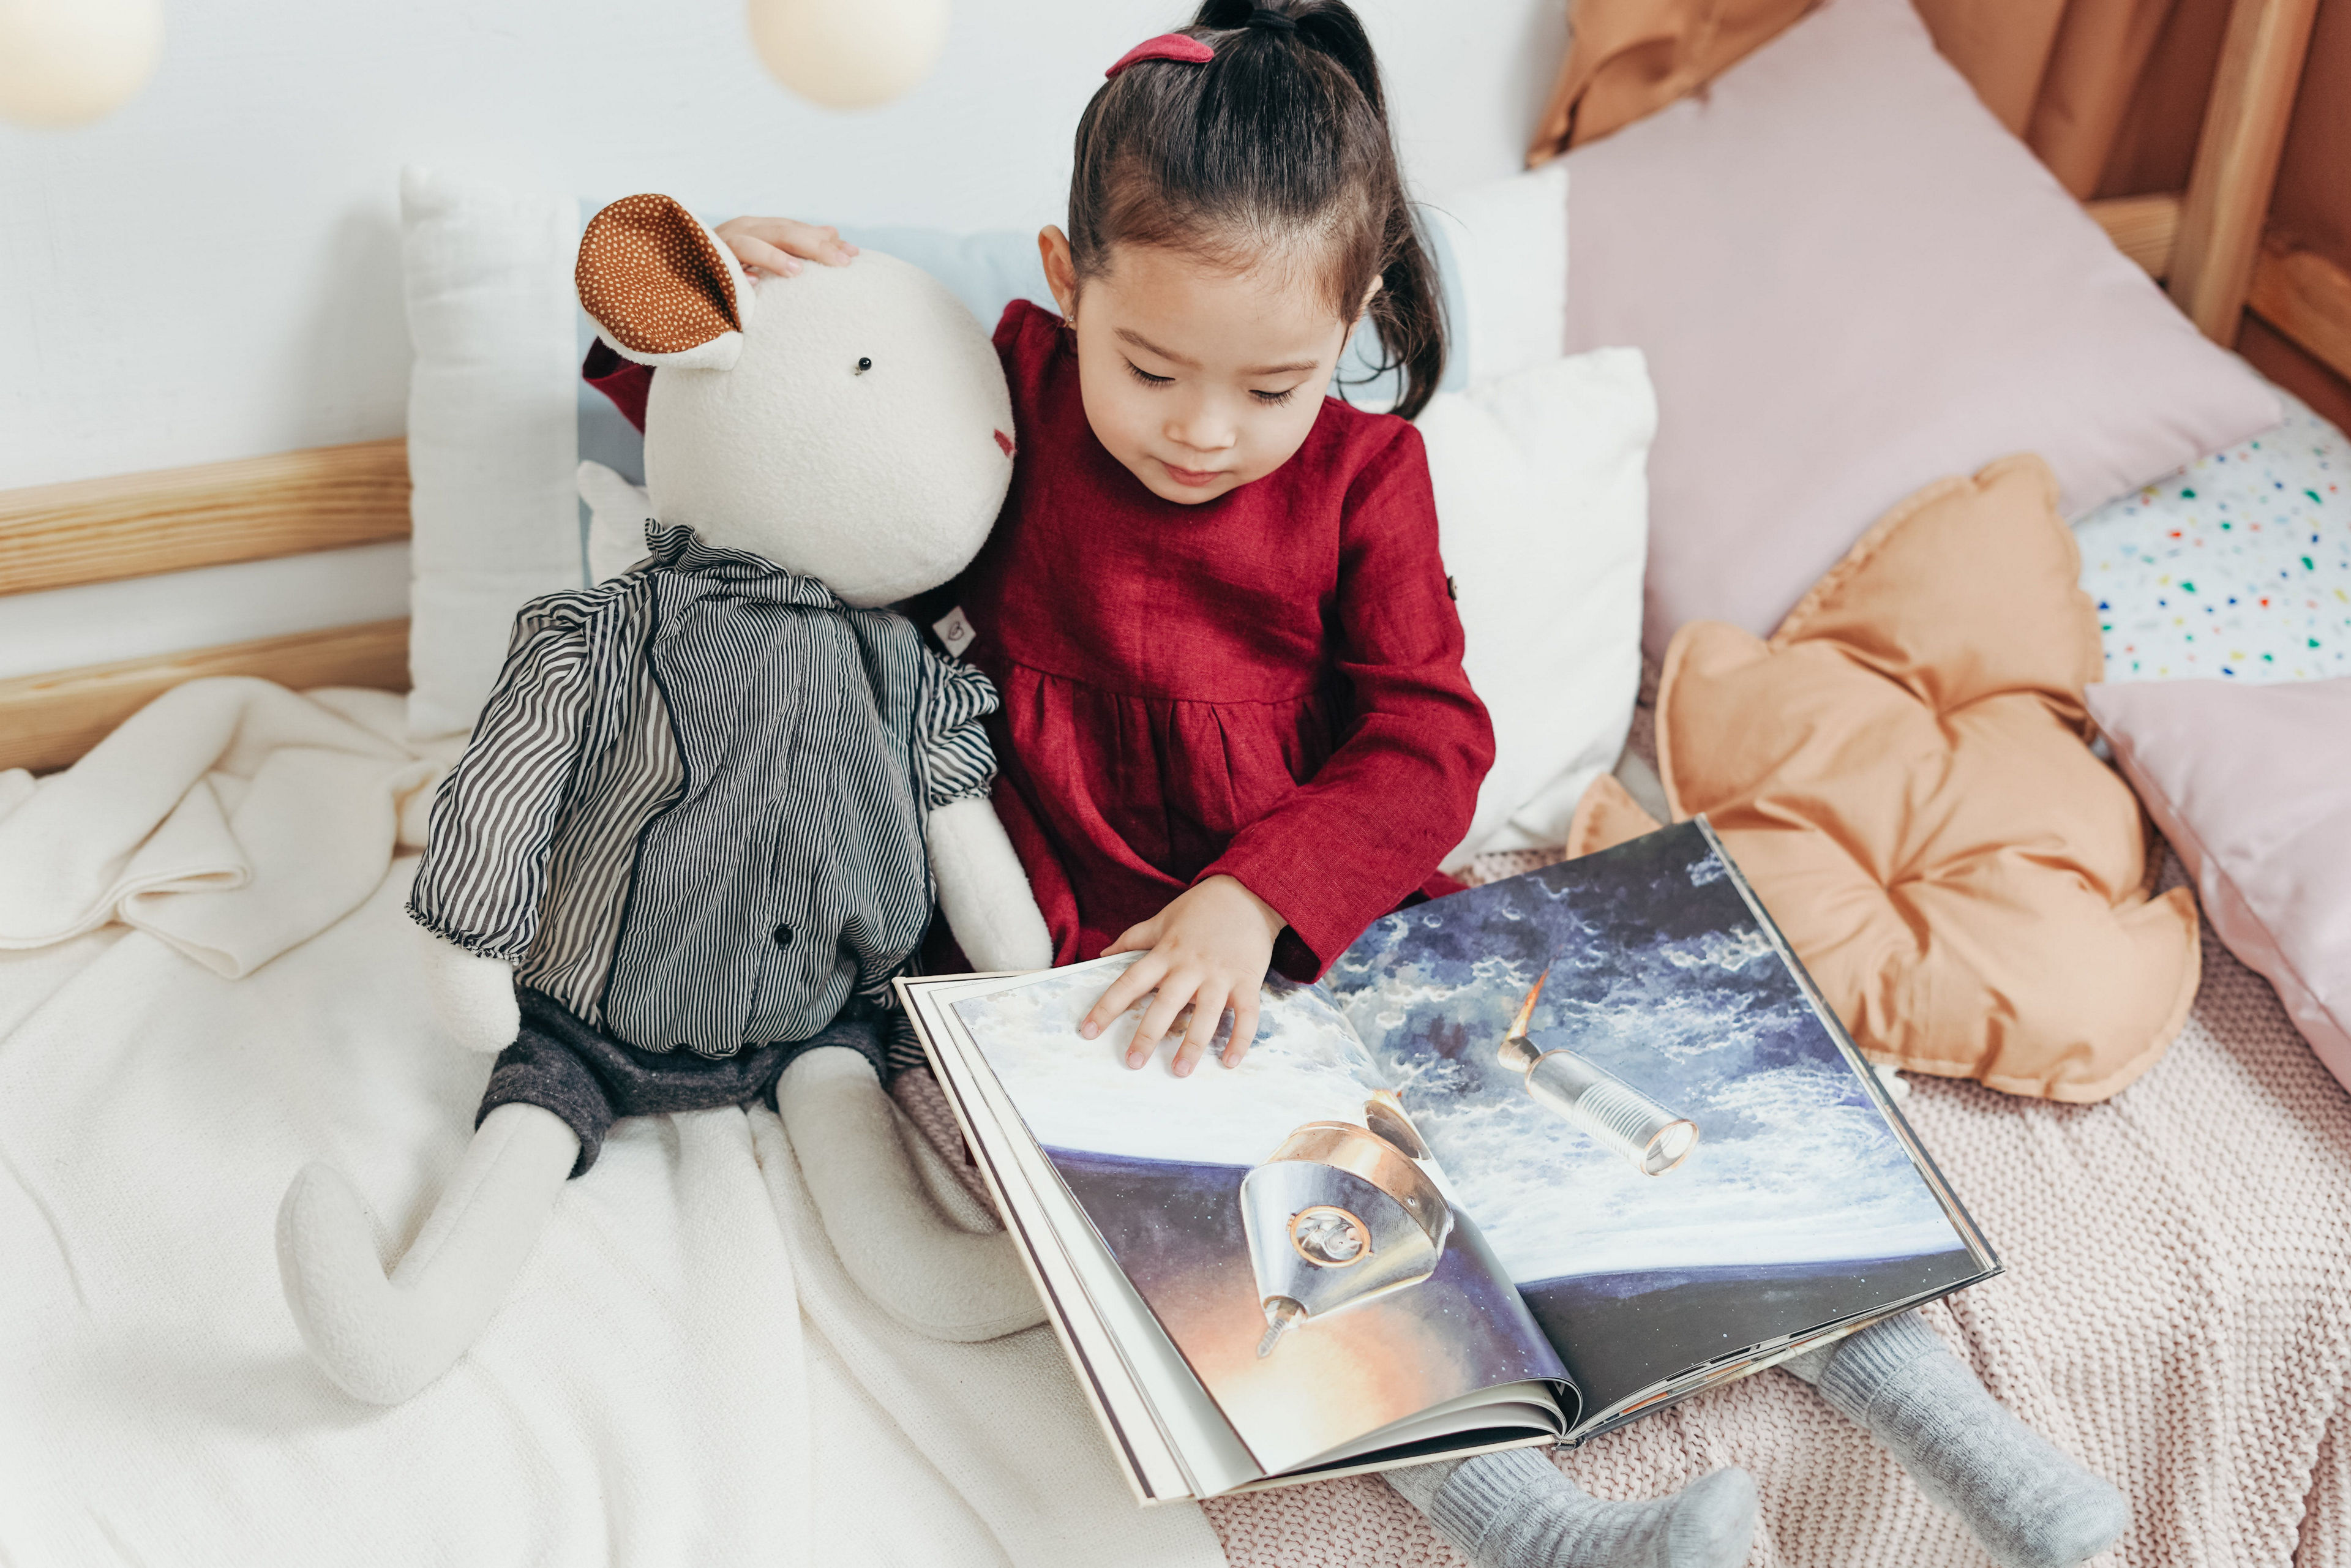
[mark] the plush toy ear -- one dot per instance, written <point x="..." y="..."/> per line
<point x="663" y="289"/>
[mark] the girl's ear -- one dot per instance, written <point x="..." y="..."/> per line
<point x="1369" y="295"/>
<point x="1061" y="268"/>
<point x="661" y="288"/>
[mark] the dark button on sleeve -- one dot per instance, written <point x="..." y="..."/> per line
<point x="783" y="935"/>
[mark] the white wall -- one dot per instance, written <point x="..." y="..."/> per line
<point x="215" y="272"/>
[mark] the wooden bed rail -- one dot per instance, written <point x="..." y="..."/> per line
<point x="2208" y="244"/>
<point x="2237" y="154"/>
<point x="2308" y="299"/>
<point x="2301" y="293"/>
<point x="2144" y="228"/>
<point x="48" y="721"/>
<point x="255" y="508"/>
<point x="138" y="525"/>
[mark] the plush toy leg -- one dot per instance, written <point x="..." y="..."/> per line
<point x="908" y="1256"/>
<point x="383" y="1340"/>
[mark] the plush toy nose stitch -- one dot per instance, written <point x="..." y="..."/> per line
<point x="1004" y="440"/>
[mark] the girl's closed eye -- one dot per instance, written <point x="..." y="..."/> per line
<point x="1269" y="398"/>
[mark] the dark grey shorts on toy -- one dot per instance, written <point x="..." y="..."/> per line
<point x="592" y="1081"/>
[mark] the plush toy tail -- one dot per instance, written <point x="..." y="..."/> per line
<point x="383" y="1340"/>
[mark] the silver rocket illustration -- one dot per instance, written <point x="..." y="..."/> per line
<point x="1341" y="1215"/>
<point x="1588" y="1097"/>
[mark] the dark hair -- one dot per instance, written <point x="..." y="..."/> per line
<point x="1280" y="143"/>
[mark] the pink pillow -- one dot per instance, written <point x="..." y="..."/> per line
<point x="2248" y="783"/>
<point x="1849" y="280"/>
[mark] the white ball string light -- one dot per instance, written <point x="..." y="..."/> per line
<point x="68" y="62"/>
<point x="847" y="54"/>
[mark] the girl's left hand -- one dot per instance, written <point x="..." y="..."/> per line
<point x="1210" y="948"/>
<point x="779" y="245"/>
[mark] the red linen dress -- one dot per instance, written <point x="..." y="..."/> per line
<point x="1267" y="686"/>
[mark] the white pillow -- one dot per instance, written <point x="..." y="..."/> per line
<point x="619" y="513"/>
<point x="492" y="430"/>
<point x="1507" y="243"/>
<point x="1543" y="507"/>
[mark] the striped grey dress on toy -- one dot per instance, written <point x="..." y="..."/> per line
<point x="692" y="812"/>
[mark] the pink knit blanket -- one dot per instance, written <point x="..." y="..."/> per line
<point x="2176" y="1313"/>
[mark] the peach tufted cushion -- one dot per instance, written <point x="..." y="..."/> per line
<point x="1902" y="774"/>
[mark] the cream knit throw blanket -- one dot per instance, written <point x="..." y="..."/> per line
<point x="206" y="980"/>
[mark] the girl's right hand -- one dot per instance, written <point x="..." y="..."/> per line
<point x="779" y="245"/>
<point x="1207" y="950"/>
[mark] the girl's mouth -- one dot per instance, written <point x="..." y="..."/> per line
<point x="1196" y="478"/>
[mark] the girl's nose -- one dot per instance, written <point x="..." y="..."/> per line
<point x="1200" y="429"/>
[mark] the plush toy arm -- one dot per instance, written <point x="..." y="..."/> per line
<point x="472" y="997"/>
<point x="983" y="891"/>
<point x="493" y="817"/>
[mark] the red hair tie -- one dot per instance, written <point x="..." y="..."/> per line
<point x="1166" y="46"/>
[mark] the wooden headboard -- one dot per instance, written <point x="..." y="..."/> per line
<point x="260" y="508"/>
<point x="2207" y="243"/>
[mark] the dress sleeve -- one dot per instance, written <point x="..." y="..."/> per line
<point x="493" y="817"/>
<point x="952" y="750"/>
<point x="625" y="381"/>
<point x="1395" y="798"/>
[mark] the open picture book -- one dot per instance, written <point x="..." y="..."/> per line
<point x="1529" y="1162"/>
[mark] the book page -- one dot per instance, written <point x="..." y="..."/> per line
<point x="1670" y="1152"/>
<point x="1280" y="1219"/>
<point x="1163" y="1456"/>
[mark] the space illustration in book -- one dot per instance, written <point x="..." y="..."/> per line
<point x="1669" y="1153"/>
<point x="1281" y="1218"/>
<point x="1581" y="1125"/>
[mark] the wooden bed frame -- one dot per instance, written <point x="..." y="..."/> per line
<point x="104" y="531"/>
<point x="2206" y="243"/>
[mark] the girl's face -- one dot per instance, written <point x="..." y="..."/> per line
<point x="1198" y="377"/>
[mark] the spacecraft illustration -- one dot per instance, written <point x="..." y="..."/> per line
<point x="1596" y="1101"/>
<point x="1341" y="1215"/>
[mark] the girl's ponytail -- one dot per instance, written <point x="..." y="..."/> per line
<point x="1409" y="312"/>
<point x="1331" y="29"/>
<point x="1280" y="139"/>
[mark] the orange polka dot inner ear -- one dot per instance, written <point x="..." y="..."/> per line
<point x="663" y="288"/>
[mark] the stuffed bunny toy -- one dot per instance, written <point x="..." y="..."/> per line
<point x="705" y="815"/>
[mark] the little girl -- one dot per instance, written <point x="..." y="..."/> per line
<point x="1235" y="727"/>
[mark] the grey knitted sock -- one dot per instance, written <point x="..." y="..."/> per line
<point x="2029" y="1504"/>
<point x="1515" y="1509"/>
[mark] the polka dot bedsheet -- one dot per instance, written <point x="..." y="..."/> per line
<point x="2238" y="567"/>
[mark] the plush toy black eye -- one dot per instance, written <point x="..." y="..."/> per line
<point x="864" y="366"/>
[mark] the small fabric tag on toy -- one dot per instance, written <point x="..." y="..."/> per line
<point x="955" y="632"/>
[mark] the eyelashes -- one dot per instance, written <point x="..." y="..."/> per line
<point x="1270" y="400"/>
